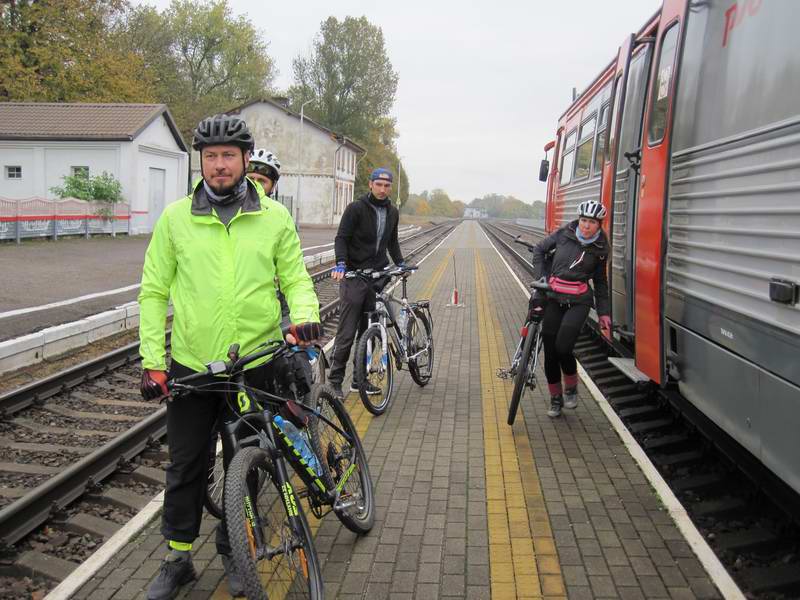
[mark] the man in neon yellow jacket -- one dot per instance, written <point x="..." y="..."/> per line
<point x="215" y="254"/>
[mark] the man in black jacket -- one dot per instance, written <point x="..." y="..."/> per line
<point x="367" y="230"/>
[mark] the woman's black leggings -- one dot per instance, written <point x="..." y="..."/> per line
<point x="561" y="325"/>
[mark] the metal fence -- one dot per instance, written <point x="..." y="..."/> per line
<point x="40" y="217"/>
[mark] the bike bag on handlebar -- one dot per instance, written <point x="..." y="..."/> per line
<point x="570" y="288"/>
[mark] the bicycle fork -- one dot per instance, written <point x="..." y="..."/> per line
<point x="384" y="347"/>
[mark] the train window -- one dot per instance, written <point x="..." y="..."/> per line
<point x="602" y="140"/>
<point x="583" y="157"/>
<point x="612" y="131"/>
<point x="567" y="157"/>
<point x="662" y="86"/>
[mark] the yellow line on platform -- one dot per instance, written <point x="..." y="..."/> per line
<point x="522" y="555"/>
<point x="436" y="276"/>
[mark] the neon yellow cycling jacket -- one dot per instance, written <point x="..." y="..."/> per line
<point x="221" y="280"/>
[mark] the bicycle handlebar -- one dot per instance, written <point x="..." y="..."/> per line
<point x="229" y="367"/>
<point x="377" y="274"/>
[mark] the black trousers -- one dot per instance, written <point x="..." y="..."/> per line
<point x="191" y="421"/>
<point x="561" y="326"/>
<point x="357" y="298"/>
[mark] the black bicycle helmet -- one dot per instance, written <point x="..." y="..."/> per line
<point x="223" y="129"/>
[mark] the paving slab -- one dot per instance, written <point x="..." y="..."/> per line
<point x="468" y="507"/>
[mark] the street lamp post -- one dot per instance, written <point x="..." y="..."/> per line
<point x="300" y="154"/>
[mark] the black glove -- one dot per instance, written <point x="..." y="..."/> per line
<point x="536" y="305"/>
<point x="154" y="384"/>
<point x="304" y="332"/>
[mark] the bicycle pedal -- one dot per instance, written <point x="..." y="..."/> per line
<point x="505" y="373"/>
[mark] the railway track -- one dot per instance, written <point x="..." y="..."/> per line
<point x="80" y="454"/>
<point x="746" y="514"/>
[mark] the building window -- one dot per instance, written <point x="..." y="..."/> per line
<point x="80" y="171"/>
<point x="662" y="86"/>
<point x="13" y="172"/>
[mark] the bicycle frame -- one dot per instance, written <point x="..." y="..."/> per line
<point x="391" y="334"/>
<point x="252" y="425"/>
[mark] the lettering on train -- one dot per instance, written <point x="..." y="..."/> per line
<point x="737" y="13"/>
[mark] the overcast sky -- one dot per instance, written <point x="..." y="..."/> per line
<point x="481" y="84"/>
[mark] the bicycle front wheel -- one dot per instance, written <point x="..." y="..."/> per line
<point x="374" y="372"/>
<point x="420" y="336"/>
<point x="521" y="377"/>
<point x="271" y="544"/>
<point x="344" y="463"/>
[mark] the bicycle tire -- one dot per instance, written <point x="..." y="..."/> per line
<point x="336" y="455"/>
<point x="421" y="376"/>
<point x="296" y="574"/>
<point x="522" y="373"/>
<point x="374" y="403"/>
<point x="216" y="480"/>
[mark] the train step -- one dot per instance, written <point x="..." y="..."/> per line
<point x="627" y="366"/>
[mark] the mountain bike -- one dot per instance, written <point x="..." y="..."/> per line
<point x="216" y="469"/>
<point x="526" y="356"/>
<point x="271" y="544"/>
<point x="399" y="332"/>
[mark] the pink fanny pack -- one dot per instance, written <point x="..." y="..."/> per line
<point x="571" y="288"/>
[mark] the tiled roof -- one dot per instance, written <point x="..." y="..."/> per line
<point x="57" y="121"/>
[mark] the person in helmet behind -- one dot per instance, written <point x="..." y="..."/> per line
<point x="215" y="254"/>
<point x="569" y="258"/>
<point x="264" y="168"/>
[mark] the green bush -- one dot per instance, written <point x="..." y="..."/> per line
<point x="104" y="189"/>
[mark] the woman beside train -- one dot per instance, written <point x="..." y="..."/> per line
<point x="569" y="258"/>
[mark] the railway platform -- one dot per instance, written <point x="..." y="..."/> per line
<point x="468" y="507"/>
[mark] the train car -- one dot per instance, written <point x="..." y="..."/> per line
<point x="691" y="139"/>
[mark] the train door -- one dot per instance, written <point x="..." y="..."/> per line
<point x="652" y="195"/>
<point x="622" y="178"/>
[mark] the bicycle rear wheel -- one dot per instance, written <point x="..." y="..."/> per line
<point x="271" y="544"/>
<point x="521" y="377"/>
<point x="374" y="367"/>
<point x="420" y="335"/>
<point x="344" y="463"/>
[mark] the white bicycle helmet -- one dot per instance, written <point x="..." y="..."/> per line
<point x="592" y="209"/>
<point x="266" y="163"/>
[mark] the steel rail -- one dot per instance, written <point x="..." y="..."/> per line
<point x="22" y="516"/>
<point x="326" y="273"/>
<point x="39" y="391"/>
<point x="332" y="308"/>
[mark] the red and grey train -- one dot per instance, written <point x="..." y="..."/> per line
<point x="690" y="137"/>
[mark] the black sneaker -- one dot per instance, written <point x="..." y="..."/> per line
<point x="556" y="403"/>
<point x="235" y="583"/>
<point x="369" y="388"/>
<point x="336" y="388"/>
<point x="168" y="582"/>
